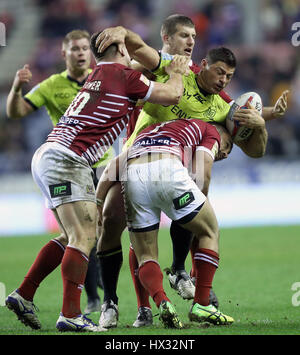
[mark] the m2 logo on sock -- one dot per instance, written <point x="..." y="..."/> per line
<point x="58" y="190"/>
<point x="183" y="200"/>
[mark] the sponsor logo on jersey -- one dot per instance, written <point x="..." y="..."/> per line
<point x="63" y="95"/>
<point x="183" y="200"/>
<point x="210" y="113"/>
<point x="179" y="112"/>
<point x="58" y="190"/>
<point x="68" y="120"/>
<point x="152" y="141"/>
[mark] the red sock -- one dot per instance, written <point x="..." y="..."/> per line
<point x="48" y="259"/>
<point x="206" y="263"/>
<point x="151" y="278"/>
<point x="141" y="293"/>
<point x="73" y="269"/>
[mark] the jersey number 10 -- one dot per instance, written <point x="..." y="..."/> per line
<point x="78" y="104"/>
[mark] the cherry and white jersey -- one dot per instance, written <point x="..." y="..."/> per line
<point x="181" y="137"/>
<point x="101" y="110"/>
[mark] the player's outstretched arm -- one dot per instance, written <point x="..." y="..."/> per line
<point x="137" y="48"/>
<point x="16" y="106"/>
<point x="278" y="110"/>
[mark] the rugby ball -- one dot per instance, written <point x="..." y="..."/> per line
<point x="240" y="133"/>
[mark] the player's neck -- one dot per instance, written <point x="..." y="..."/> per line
<point x="79" y="76"/>
<point x="201" y="84"/>
<point x="165" y="49"/>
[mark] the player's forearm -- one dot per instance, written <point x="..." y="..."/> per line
<point x="255" y="146"/>
<point x="176" y="85"/>
<point x="16" y="107"/>
<point x="112" y="173"/>
<point x="107" y="179"/>
<point x="168" y="93"/>
<point x="140" y="51"/>
<point x="268" y="113"/>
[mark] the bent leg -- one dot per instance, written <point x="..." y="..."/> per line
<point x="149" y="273"/>
<point x="206" y="257"/>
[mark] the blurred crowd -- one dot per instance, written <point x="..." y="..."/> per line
<point x="268" y="67"/>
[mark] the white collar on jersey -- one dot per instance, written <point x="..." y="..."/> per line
<point x="100" y="63"/>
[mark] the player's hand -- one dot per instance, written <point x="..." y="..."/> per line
<point x="23" y="76"/>
<point x="249" y="117"/>
<point x="281" y="105"/>
<point x="179" y="65"/>
<point x="109" y="36"/>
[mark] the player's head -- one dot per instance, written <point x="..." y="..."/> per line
<point x="225" y="143"/>
<point x="217" y="69"/>
<point x="76" y="51"/>
<point x="114" y="52"/>
<point x="178" y="35"/>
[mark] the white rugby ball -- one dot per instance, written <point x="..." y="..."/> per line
<point x="240" y="133"/>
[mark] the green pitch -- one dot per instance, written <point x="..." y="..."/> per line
<point x="258" y="268"/>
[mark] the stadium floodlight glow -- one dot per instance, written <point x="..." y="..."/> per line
<point x="2" y="35"/>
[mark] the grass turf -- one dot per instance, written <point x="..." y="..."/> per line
<point x="258" y="267"/>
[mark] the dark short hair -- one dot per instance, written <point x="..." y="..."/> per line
<point x="112" y="49"/>
<point x="169" y="24"/>
<point x="221" y="54"/>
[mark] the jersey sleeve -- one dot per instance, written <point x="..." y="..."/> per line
<point x="36" y="96"/>
<point x="210" y="142"/>
<point x="137" y="85"/>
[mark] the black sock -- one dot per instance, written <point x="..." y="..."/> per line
<point x="92" y="276"/>
<point x="110" y="263"/>
<point x="181" y="240"/>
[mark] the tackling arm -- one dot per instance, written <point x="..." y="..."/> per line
<point x="137" y="48"/>
<point x="201" y="170"/>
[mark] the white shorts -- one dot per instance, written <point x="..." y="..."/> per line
<point x="161" y="185"/>
<point x="62" y="175"/>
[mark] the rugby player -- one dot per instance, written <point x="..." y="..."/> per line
<point x="55" y="94"/>
<point x="62" y="166"/>
<point x="109" y="243"/>
<point x="156" y="180"/>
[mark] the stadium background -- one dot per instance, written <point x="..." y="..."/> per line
<point x="244" y="191"/>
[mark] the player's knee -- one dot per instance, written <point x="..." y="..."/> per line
<point x="63" y="239"/>
<point x="85" y="243"/>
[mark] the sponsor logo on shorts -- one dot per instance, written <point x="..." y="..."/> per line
<point x="183" y="200"/>
<point x="58" y="190"/>
<point x="90" y="189"/>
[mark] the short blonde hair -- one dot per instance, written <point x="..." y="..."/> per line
<point x="76" y="34"/>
